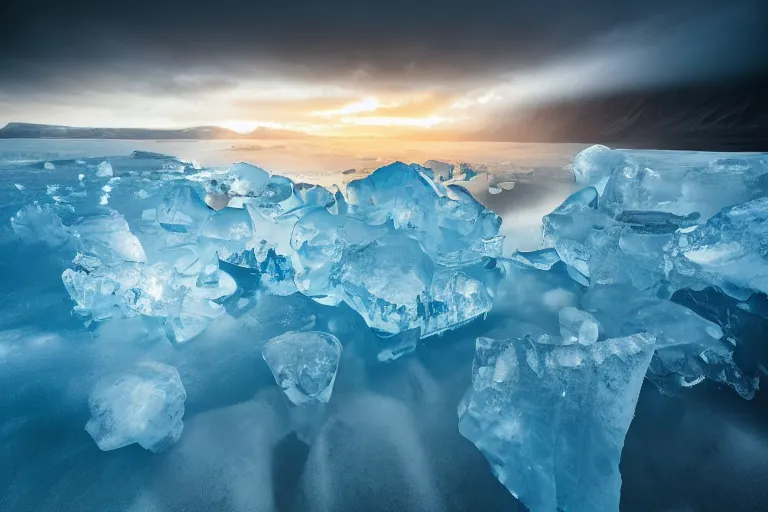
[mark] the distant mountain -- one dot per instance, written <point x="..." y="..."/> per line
<point x="704" y="117"/>
<point x="47" y="131"/>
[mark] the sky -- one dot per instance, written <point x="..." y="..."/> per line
<point x="351" y="67"/>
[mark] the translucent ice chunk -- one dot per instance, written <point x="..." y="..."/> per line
<point x="158" y="293"/>
<point x="314" y="195"/>
<point x="320" y="241"/>
<point x="594" y="165"/>
<point x="185" y="327"/>
<point x="387" y="282"/>
<point x="682" y="337"/>
<point x="551" y="419"/>
<point x="247" y="180"/>
<point x="183" y="210"/>
<point x="542" y="259"/>
<point x="145" y="406"/>
<point x="729" y="251"/>
<point x="455" y="299"/>
<point x="40" y="224"/>
<point x="578" y="326"/>
<point x="443" y="170"/>
<point x="104" y="170"/>
<point x="304" y="365"/>
<point x="403" y="193"/>
<point x="574" y="218"/>
<point x="109" y="237"/>
<point x="209" y="274"/>
<point x="230" y="224"/>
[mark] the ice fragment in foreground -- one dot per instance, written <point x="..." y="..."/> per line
<point x="551" y="419"/>
<point x="304" y="364"/>
<point x="145" y="406"/>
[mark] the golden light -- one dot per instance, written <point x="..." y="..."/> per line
<point x="364" y="105"/>
<point x="418" y="122"/>
<point x="240" y="126"/>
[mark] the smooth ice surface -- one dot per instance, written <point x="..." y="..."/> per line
<point x="304" y="365"/>
<point x="144" y="406"/>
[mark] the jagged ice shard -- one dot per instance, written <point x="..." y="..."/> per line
<point x="551" y="419"/>
<point x="648" y="269"/>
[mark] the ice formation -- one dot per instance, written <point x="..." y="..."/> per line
<point x="551" y="419"/>
<point x="553" y="395"/>
<point x="145" y="406"/>
<point x="304" y="365"/>
<point x="649" y="269"/>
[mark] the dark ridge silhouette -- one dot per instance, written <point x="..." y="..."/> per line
<point x="46" y="131"/>
<point x="701" y="117"/>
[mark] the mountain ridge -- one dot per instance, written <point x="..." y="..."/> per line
<point x="19" y="130"/>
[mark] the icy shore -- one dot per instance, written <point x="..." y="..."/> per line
<point x="650" y="270"/>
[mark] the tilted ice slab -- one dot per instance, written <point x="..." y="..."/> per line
<point x="144" y="406"/>
<point x="551" y="419"/>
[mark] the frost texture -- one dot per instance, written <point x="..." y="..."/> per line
<point x="145" y="406"/>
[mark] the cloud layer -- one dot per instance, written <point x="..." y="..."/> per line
<point x="348" y="67"/>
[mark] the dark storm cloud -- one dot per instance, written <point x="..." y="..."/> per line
<point x="152" y="42"/>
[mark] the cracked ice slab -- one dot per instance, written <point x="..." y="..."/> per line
<point x="551" y="420"/>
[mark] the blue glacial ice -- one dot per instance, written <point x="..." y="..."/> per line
<point x="551" y="419"/>
<point x="144" y="406"/>
<point x="648" y="269"/>
<point x="304" y="365"/>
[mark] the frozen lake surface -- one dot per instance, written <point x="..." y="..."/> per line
<point x="387" y="439"/>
